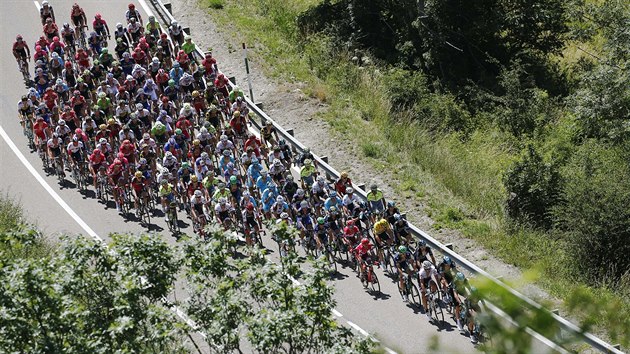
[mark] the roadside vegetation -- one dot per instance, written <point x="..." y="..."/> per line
<point x="509" y="120"/>
<point x="79" y="295"/>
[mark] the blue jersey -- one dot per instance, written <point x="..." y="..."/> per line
<point x="332" y="201"/>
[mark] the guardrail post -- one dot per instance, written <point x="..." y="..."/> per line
<point x="187" y="30"/>
<point x="555" y="311"/>
<point x="500" y="277"/>
<point x="290" y="131"/>
<point x="259" y="105"/>
<point x="168" y="7"/>
<point x="233" y="79"/>
<point x="324" y="158"/>
<point x="361" y="186"/>
<point x="449" y="246"/>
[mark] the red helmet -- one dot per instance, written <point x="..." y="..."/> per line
<point x="55" y="39"/>
<point x="120" y="155"/>
<point x="38" y="48"/>
<point x="18" y="37"/>
<point x="365" y="241"/>
<point x="164" y="99"/>
<point x="163" y="35"/>
<point x="78" y="131"/>
<point x="137" y="50"/>
<point x="97" y="152"/>
<point x="76" y="92"/>
<point x="97" y="16"/>
<point x="143" y="40"/>
<point x="350" y="222"/>
<point x="250" y="206"/>
<point x="132" y="6"/>
<point x="117" y="162"/>
<point x="68" y="64"/>
<point x="126" y="142"/>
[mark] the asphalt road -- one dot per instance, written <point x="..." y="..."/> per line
<point x="386" y="317"/>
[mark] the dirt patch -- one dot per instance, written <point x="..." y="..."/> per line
<point x="290" y="107"/>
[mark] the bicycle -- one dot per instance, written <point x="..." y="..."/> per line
<point x="59" y="171"/>
<point x="368" y="276"/>
<point x="411" y="290"/>
<point x="24" y="69"/>
<point x="433" y="303"/>
<point x="43" y="155"/>
<point x="171" y="218"/>
<point x="144" y="208"/>
<point x="28" y="131"/>
<point x="102" y="190"/>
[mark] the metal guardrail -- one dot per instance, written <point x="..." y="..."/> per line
<point x="563" y="323"/>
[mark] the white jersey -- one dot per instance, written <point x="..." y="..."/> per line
<point x="62" y="130"/>
<point x="73" y="149"/>
<point x="424" y="274"/>
<point x="351" y="198"/>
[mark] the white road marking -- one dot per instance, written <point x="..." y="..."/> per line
<point x="336" y="313"/>
<point x="37" y="5"/>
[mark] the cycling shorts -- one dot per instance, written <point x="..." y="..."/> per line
<point x="21" y="53"/>
<point x="56" y="151"/>
<point x="224" y="215"/>
<point x="76" y="20"/>
<point x="383" y="236"/>
<point x="250" y="221"/>
<point x="76" y="156"/>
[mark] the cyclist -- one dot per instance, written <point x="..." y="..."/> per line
<point x="75" y="153"/>
<point x="21" y="51"/>
<point x="50" y="29"/>
<point x="343" y="183"/>
<point x="350" y="234"/>
<point x="55" y="146"/>
<point x="401" y="229"/>
<point x="427" y="274"/>
<point x="68" y="35"/>
<point x="46" y="11"/>
<point x="468" y="304"/>
<point x="251" y="220"/>
<point x="376" y="201"/>
<point x="78" y="18"/>
<point x="308" y="173"/>
<point x="167" y="194"/>
<point x="152" y="26"/>
<point x="132" y="13"/>
<point x="448" y="271"/>
<point x="289" y="188"/>
<point x="390" y="211"/>
<point x="199" y="203"/>
<point x="176" y="32"/>
<point x="139" y="188"/>
<point x="364" y="253"/>
<point x="333" y="201"/>
<point x="423" y="253"/>
<point x="404" y="265"/>
<point x="224" y="211"/>
<point x="350" y="201"/>
<point x="100" y="27"/>
<point x="97" y="159"/>
<point x="383" y="235"/>
<point x="279" y="207"/>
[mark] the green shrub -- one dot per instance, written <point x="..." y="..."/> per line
<point x="533" y="187"/>
<point x="215" y="4"/>
<point x="594" y="212"/>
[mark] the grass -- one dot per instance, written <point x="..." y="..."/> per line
<point x="216" y="4"/>
<point x="18" y="239"/>
<point x="459" y="178"/>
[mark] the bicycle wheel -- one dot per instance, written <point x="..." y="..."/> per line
<point x="374" y="283"/>
<point x="331" y="260"/>
<point x="146" y="215"/>
<point x="436" y="310"/>
<point x="414" y="296"/>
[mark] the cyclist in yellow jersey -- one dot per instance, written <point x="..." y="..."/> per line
<point x="383" y="235"/>
<point x="167" y="193"/>
<point x="221" y="192"/>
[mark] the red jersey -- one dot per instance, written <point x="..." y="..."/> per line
<point x="96" y="159"/>
<point x="39" y="128"/>
<point x="362" y="249"/>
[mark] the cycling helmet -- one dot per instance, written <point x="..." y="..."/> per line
<point x="203" y="130"/>
<point x="138" y="174"/>
<point x="195" y="93"/>
<point x="373" y="187"/>
<point x="102" y="140"/>
<point x="61" y="122"/>
<point x="307" y="150"/>
<point x="254" y="160"/>
<point x="447" y="260"/>
<point x="194" y="178"/>
<point x="97" y="16"/>
<point x="365" y="241"/>
<point x="55" y="39"/>
<point x="422" y="243"/>
<point x="168" y="154"/>
<point x="111" y="121"/>
<point x="349" y="190"/>
<point x="397" y="217"/>
<point x="224" y="137"/>
<point x="280" y="199"/>
<point x="221" y="185"/>
<point x="185" y="165"/>
<point x="290" y="177"/>
<point x="321" y="220"/>
<point x="307" y="162"/>
<point x="197" y="193"/>
<point x="402" y="249"/>
<point x="300" y="192"/>
<point x="460" y="276"/>
<point x="119" y="25"/>
<point x="226" y="152"/>
<point x="18" y="37"/>
<point x="131" y="6"/>
<point x="333" y="209"/>
<point x="350" y="222"/>
<point x="426" y="265"/>
<point x="222" y="201"/>
<point x="284" y="216"/>
<point x="45" y="3"/>
<point x="250" y="206"/>
<point x="196" y="142"/>
<point x="304" y="204"/>
<point x="333" y="194"/>
<point x="174" y="23"/>
<point x="233" y="180"/>
<point x="321" y="179"/>
<point x="277" y="162"/>
<point x="143" y="161"/>
<point x="204" y="155"/>
<point x="263" y="173"/>
<point x="391" y="204"/>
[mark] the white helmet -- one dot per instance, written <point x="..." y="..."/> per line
<point x="174" y="23"/>
<point x="197" y="193"/>
<point x="62" y="122"/>
<point x="280" y="199"/>
<point x="224" y="137"/>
